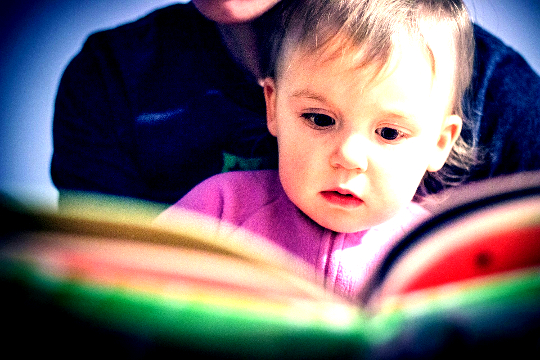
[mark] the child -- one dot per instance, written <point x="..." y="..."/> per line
<point x="365" y="102"/>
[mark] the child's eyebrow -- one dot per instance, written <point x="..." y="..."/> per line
<point x="398" y="115"/>
<point x="305" y="93"/>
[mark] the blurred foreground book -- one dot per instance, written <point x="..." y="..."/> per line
<point x="100" y="280"/>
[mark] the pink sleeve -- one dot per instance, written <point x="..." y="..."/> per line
<point x="232" y="197"/>
<point x="205" y="198"/>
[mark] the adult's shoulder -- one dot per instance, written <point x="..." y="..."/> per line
<point x="487" y="42"/>
<point x="495" y="61"/>
<point x="504" y="108"/>
<point x="174" y="25"/>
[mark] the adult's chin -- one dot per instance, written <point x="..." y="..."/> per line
<point x="233" y="11"/>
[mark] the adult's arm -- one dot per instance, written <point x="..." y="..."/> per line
<point x="92" y="149"/>
<point x="150" y="109"/>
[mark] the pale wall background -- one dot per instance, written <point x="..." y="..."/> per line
<point x="38" y="38"/>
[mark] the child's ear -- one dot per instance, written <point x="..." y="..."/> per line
<point x="270" y="98"/>
<point x="450" y="131"/>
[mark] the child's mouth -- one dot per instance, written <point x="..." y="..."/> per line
<point x="344" y="200"/>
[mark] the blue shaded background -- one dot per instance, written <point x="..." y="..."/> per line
<point x="38" y="38"/>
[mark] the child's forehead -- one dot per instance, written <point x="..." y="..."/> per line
<point x="410" y="61"/>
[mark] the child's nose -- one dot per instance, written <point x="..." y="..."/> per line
<point x="351" y="154"/>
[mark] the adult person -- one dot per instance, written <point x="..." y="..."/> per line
<point x="153" y="107"/>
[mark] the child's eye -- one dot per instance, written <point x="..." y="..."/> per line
<point x="390" y="134"/>
<point x="319" y="120"/>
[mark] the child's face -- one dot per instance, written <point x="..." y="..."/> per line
<point x="352" y="152"/>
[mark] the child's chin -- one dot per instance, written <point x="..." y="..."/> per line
<point x="344" y="228"/>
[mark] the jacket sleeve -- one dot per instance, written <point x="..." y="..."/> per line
<point x="91" y="145"/>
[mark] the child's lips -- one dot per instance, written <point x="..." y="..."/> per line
<point x="342" y="198"/>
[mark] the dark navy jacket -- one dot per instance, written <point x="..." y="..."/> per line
<point x="151" y="108"/>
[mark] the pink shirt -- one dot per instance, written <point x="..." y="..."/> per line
<point x="255" y="201"/>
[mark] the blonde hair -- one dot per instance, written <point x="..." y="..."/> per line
<point x="339" y="26"/>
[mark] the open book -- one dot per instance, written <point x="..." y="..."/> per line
<point x="100" y="280"/>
